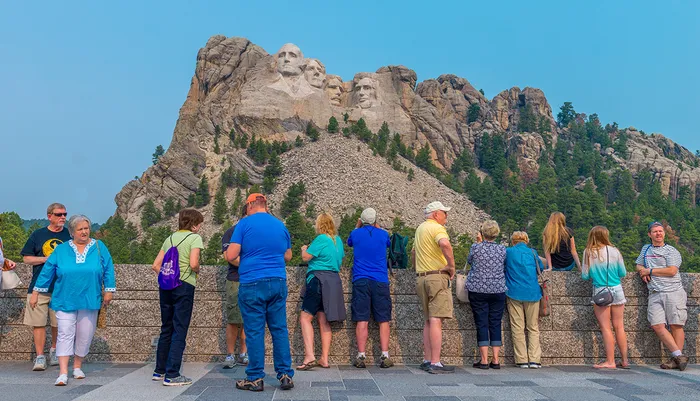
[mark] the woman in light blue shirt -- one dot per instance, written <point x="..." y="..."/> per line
<point x="81" y="267"/>
<point x="524" y="293"/>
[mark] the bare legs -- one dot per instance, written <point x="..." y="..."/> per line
<point x="307" y="332"/>
<point x="232" y="331"/>
<point x="604" y="315"/>
<point x="673" y="340"/>
<point x="40" y="338"/>
<point x="484" y="352"/>
<point x="361" y="332"/>
<point x="432" y="339"/>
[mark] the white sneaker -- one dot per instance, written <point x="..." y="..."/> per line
<point x="39" y="363"/>
<point x="78" y="373"/>
<point x="53" y="359"/>
<point x="62" y="380"/>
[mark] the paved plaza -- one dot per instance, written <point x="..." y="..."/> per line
<point x="106" y="382"/>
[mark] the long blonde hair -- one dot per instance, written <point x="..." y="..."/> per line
<point x="554" y="232"/>
<point x="326" y="225"/>
<point x="598" y="237"/>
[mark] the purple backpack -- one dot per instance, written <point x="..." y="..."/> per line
<point x="169" y="276"/>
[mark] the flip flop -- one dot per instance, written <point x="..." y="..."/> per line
<point x="603" y="367"/>
<point x="325" y="367"/>
<point x="307" y="365"/>
<point x="621" y="366"/>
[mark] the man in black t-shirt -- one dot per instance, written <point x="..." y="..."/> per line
<point x="234" y="319"/>
<point x="38" y="248"/>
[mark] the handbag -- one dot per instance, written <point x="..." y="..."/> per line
<point x="461" y="285"/>
<point x="604" y="297"/>
<point x="545" y="306"/>
<point x="9" y="280"/>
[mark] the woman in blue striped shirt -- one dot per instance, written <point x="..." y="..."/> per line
<point x="603" y="265"/>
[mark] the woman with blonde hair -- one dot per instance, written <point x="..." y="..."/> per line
<point x="604" y="266"/>
<point x="323" y="296"/>
<point x="486" y="283"/>
<point x="559" y="244"/>
<point x="523" y="297"/>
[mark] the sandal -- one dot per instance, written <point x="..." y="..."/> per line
<point x="479" y="365"/>
<point x="621" y="366"/>
<point x="671" y="364"/>
<point x="307" y="365"/>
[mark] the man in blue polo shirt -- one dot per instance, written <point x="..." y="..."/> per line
<point x="264" y="246"/>
<point x="370" y="284"/>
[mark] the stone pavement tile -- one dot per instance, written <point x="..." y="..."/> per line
<point x="185" y="397"/>
<point x="433" y="398"/>
<point x="376" y="398"/>
<point x="496" y="393"/>
<point x="354" y="374"/>
<point x="576" y="394"/>
<point x="403" y="386"/>
<point x="317" y="393"/>
<point x="396" y="370"/>
<point x="520" y="383"/>
<point x="226" y="393"/>
<point x="328" y="384"/>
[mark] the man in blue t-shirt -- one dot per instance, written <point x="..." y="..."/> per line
<point x="264" y="246"/>
<point x="370" y="284"/>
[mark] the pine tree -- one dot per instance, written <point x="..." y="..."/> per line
<point x="411" y="174"/>
<point x="191" y="200"/>
<point x="298" y="142"/>
<point x="473" y="113"/>
<point x="312" y="132"/>
<point x="332" y="125"/>
<point x="150" y="214"/>
<point x="217" y="133"/>
<point x="202" y="195"/>
<point x="169" y="208"/>
<point x="220" y="208"/>
<point x="345" y="118"/>
<point x="157" y="154"/>
<point x="237" y="202"/>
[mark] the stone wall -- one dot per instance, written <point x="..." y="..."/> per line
<point x="569" y="336"/>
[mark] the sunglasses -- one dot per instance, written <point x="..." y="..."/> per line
<point x="60" y="214"/>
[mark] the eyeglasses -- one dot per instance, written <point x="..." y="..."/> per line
<point x="60" y="214"/>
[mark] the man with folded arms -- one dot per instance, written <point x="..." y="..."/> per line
<point x="659" y="266"/>
<point x="435" y="267"/>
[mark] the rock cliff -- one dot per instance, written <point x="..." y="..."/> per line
<point x="237" y="86"/>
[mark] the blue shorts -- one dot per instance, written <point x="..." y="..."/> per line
<point x="564" y="269"/>
<point x="312" y="301"/>
<point x="370" y="296"/>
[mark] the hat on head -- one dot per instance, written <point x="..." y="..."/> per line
<point x="254" y="197"/>
<point x="368" y="216"/>
<point x="435" y="206"/>
<point x="653" y="224"/>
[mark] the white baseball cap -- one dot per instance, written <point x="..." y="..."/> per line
<point x="368" y="216"/>
<point x="435" y="206"/>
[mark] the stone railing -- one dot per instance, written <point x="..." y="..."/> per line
<point x="569" y="336"/>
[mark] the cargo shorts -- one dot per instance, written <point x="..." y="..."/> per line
<point x="667" y="308"/>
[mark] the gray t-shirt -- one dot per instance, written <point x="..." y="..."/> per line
<point x="661" y="256"/>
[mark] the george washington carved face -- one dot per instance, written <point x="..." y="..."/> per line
<point x="290" y="60"/>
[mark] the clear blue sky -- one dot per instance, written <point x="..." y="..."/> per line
<point x="88" y="89"/>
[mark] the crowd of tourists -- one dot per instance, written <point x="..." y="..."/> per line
<point x="73" y="280"/>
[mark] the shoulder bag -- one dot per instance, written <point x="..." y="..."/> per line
<point x="604" y="297"/>
<point x="545" y="306"/>
<point x="9" y="279"/>
<point x="102" y="314"/>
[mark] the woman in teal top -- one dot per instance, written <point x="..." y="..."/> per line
<point x="603" y="264"/>
<point x="323" y="296"/>
<point x="82" y="267"/>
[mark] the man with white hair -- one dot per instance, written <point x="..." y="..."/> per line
<point x="370" y="284"/>
<point x="435" y="267"/>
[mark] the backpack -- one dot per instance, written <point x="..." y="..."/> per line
<point x="398" y="256"/>
<point x="169" y="276"/>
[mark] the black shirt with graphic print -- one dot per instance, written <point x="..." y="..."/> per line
<point x="42" y="242"/>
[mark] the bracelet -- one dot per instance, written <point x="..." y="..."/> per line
<point x="650" y="271"/>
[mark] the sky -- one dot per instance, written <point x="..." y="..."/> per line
<point x="89" y="89"/>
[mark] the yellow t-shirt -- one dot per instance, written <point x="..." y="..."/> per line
<point x="428" y="253"/>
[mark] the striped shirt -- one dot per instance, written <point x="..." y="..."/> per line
<point x="659" y="257"/>
<point x="605" y="267"/>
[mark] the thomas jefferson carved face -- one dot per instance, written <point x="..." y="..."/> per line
<point x="366" y="92"/>
<point x="290" y="60"/>
<point x="334" y="89"/>
<point x="314" y="72"/>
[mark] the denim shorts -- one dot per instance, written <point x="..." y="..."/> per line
<point x="312" y="302"/>
<point x="618" y="294"/>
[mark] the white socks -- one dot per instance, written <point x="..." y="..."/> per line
<point x="361" y="355"/>
<point x="385" y="354"/>
<point x="676" y="353"/>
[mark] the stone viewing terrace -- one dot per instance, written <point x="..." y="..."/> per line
<point x="570" y="336"/>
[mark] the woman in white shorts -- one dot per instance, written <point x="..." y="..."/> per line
<point x="604" y="266"/>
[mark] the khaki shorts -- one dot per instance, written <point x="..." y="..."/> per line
<point x="435" y="296"/>
<point x="233" y="311"/>
<point x="37" y="317"/>
<point x="667" y="308"/>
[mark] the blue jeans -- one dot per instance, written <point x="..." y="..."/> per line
<point x="488" y="312"/>
<point x="564" y="269"/>
<point x="175" y="316"/>
<point x="265" y="301"/>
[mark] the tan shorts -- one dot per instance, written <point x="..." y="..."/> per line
<point x="435" y="296"/>
<point x="233" y="311"/>
<point x="667" y="308"/>
<point x="37" y="317"/>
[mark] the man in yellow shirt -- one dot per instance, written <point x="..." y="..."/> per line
<point x="435" y="267"/>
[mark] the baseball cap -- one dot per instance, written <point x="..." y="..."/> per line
<point x="256" y="196"/>
<point x="435" y="206"/>
<point x="368" y="216"/>
<point x="653" y="224"/>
